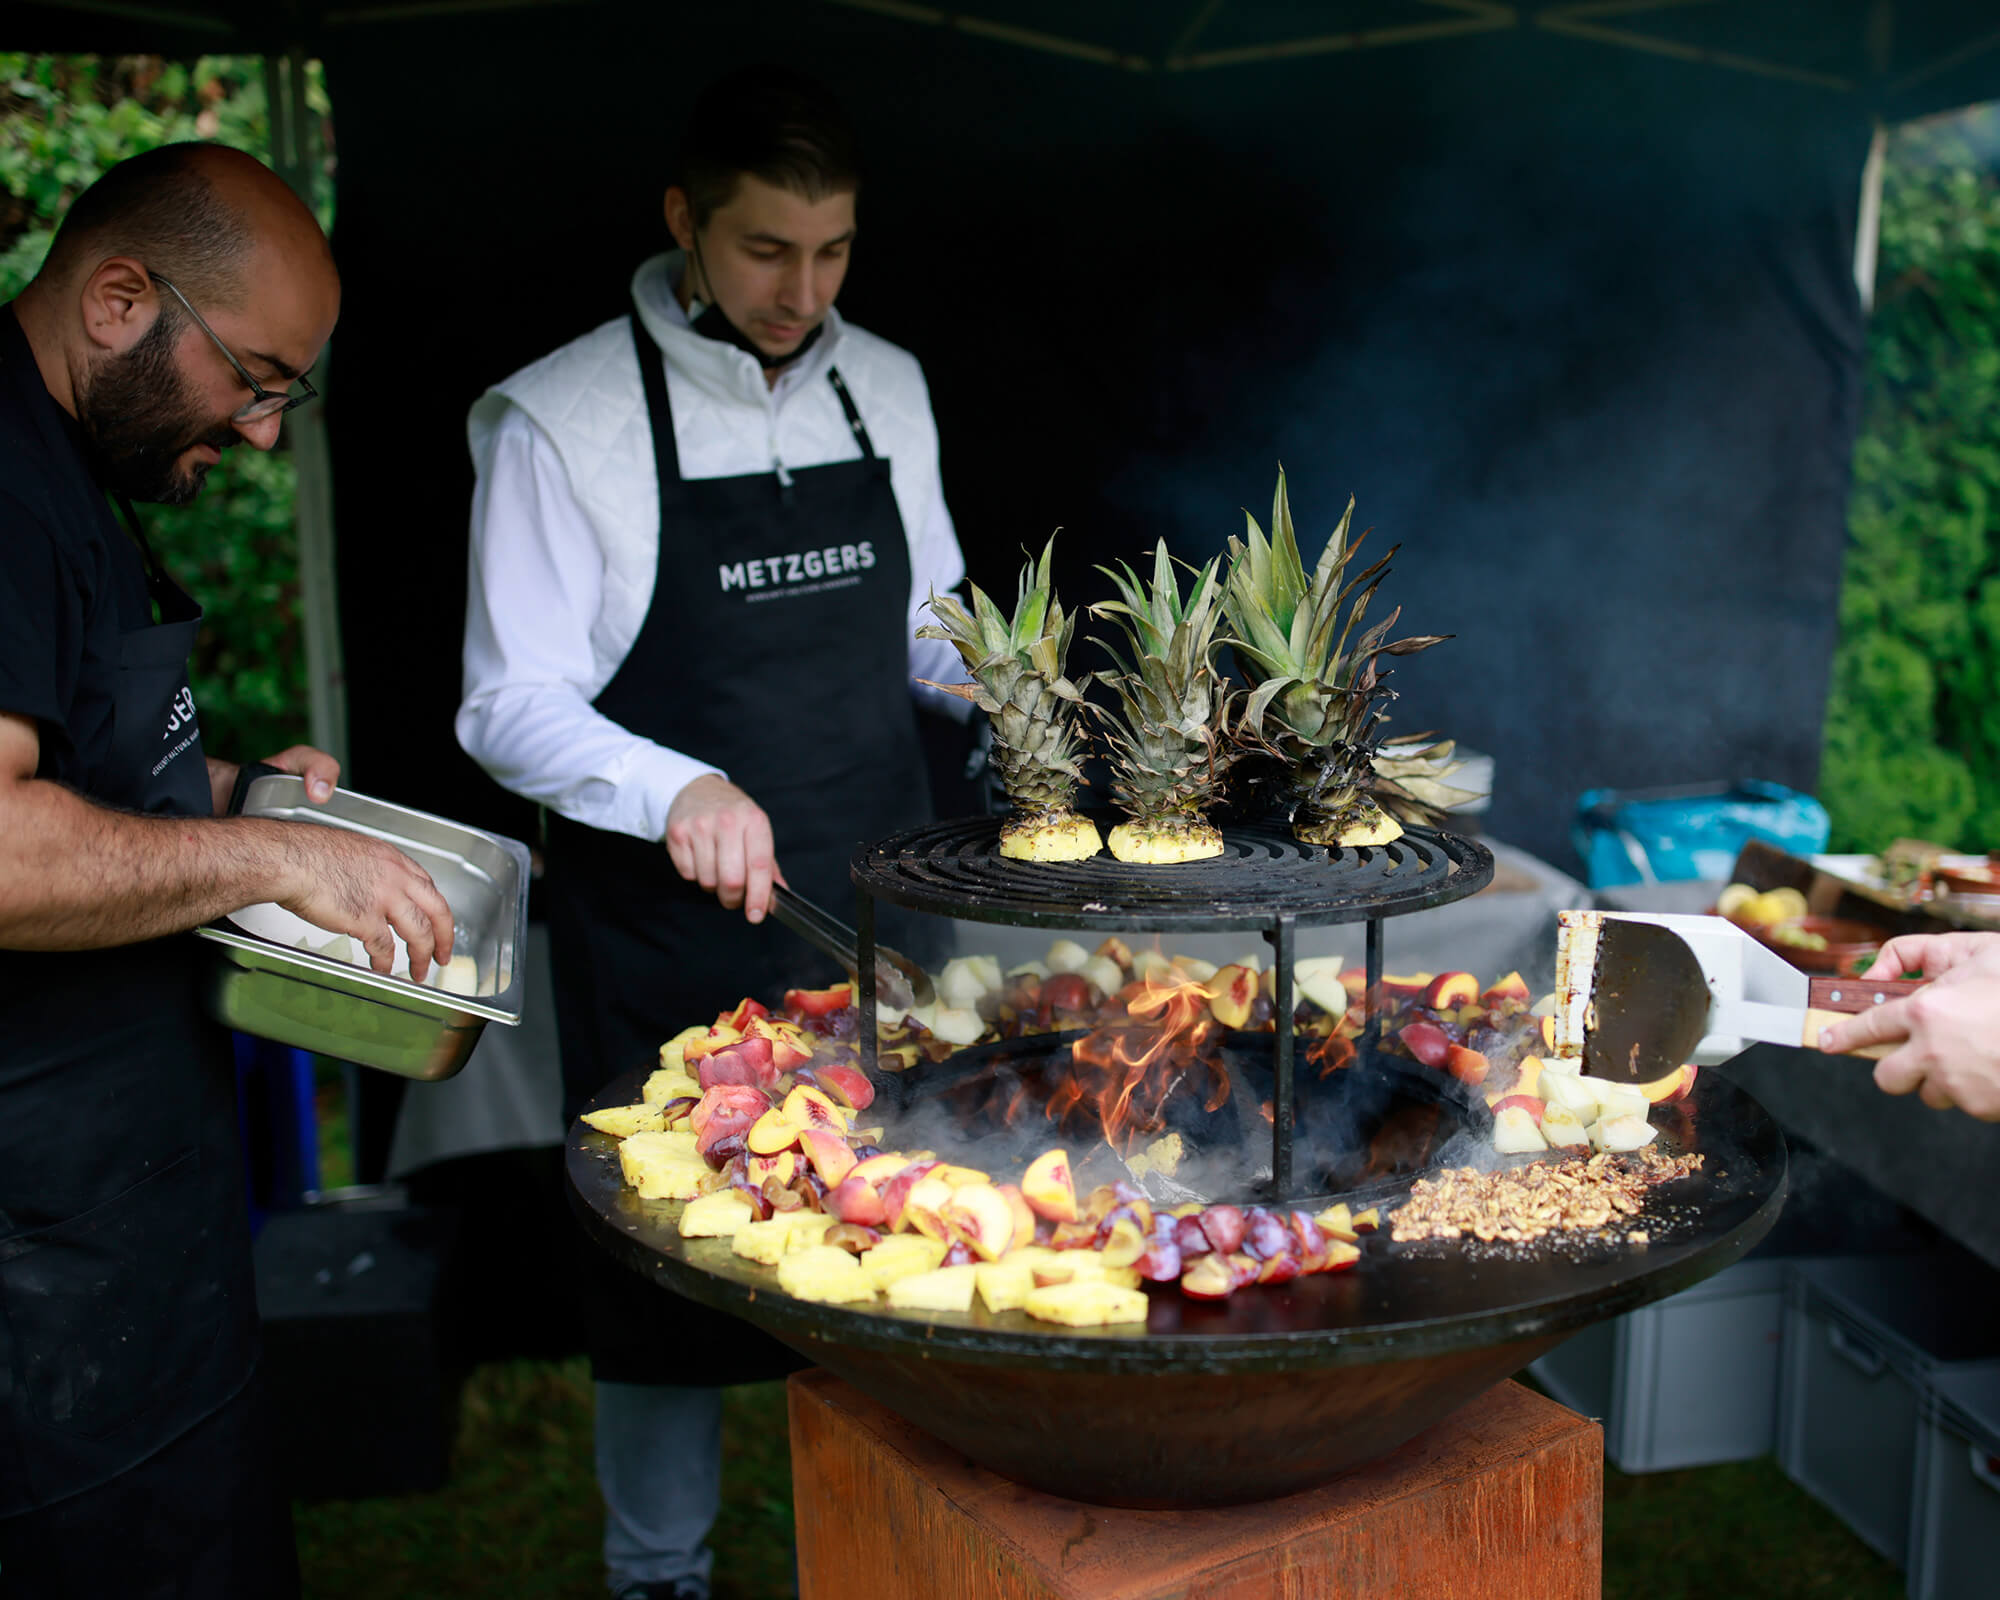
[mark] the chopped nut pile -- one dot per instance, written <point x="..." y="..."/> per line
<point x="1601" y="1194"/>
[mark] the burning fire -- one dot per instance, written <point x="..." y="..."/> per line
<point x="1125" y="1071"/>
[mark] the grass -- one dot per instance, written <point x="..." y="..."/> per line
<point x="520" y="1517"/>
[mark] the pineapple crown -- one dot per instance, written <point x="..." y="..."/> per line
<point x="1001" y="651"/>
<point x="1169" y="683"/>
<point x="1287" y="629"/>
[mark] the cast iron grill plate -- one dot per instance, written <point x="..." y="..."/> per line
<point x="955" y="869"/>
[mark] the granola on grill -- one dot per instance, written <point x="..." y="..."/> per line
<point x="1601" y="1195"/>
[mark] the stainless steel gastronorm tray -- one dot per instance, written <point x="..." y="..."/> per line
<point x="262" y="984"/>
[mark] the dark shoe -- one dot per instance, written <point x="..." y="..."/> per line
<point x="670" y="1590"/>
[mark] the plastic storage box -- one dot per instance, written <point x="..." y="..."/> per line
<point x="1955" y="1517"/>
<point x="1866" y="1340"/>
<point x="1687" y="1382"/>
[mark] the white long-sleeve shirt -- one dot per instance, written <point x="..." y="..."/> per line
<point x="566" y="536"/>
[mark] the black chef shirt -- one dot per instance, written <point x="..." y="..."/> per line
<point x="71" y="579"/>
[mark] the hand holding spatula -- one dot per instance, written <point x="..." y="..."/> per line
<point x="1640" y="993"/>
<point x="1944" y="1044"/>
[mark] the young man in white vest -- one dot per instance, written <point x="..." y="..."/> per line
<point x="701" y="539"/>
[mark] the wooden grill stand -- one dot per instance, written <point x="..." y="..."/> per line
<point x="1503" y="1500"/>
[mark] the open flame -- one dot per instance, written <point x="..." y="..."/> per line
<point x="1124" y="1072"/>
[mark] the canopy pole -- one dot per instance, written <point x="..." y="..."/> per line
<point x="294" y="154"/>
<point x="1868" y="221"/>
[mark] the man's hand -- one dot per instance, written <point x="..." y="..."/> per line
<point x="720" y="838"/>
<point x="352" y="884"/>
<point x="319" y="769"/>
<point x="1946" y="1035"/>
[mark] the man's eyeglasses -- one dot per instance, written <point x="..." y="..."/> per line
<point x="263" y="402"/>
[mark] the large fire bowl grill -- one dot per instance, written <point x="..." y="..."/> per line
<point x="1279" y="1387"/>
<point x="1267" y="1393"/>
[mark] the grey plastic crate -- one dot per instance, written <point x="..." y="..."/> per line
<point x="1687" y="1382"/>
<point x="1955" y="1515"/>
<point x="1865" y="1339"/>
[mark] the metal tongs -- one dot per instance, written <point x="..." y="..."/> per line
<point x="899" y="981"/>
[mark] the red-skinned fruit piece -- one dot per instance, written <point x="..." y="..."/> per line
<point x="1190" y="1238"/>
<point x="739" y="1099"/>
<point x="849" y="1085"/>
<point x="1468" y="1066"/>
<point x="746" y="1010"/>
<point x="782" y="1196"/>
<point x="831" y="1155"/>
<point x="1450" y="990"/>
<point x="721" y="1151"/>
<point x="1429" y="1043"/>
<point x="850" y="1237"/>
<point x="1511" y="987"/>
<point x="1280" y="1268"/>
<point x="1066" y="991"/>
<point x="1161" y="1260"/>
<point x="1224" y="1227"/>
<point x="1265" y="1235"/>
<point x="1048" y="1188"/>
<point x="820" y="1002"/>
<point x="854" y="1199"/>
<point x="897" y="1190"/>
<point x="760" y="1207"/>
<point x="959" y="1255"/>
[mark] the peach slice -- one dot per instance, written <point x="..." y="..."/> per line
<point x="1676" y="1085"/>
<point x="1468" y="1066"/>
<point x="1367" y="1221"/>
<point x="1017" y="1206"/>
<point x="783" y="1165"/>
<point x="1511" y="987"/>
<point x="820" y="1002"/>
<point x="1524" y="1102"/>
<point x="959" y="1177"/>
<point x="1406" y="986"/>
<point x="845" y="1083"/>
<point x="1208" y="1279"/>
<point x="719" y="1037"/>
<point x="1078" y="1235"/>
<point x="812" y="1109"/>
<point x="1231" y="993"/>
<point x="880" y="1169"/>
<point x="772" y="1132"/>
<point x="790" y="1046"/>
<point x="831" y="1155"/>
<point x="923" y="1207"/>
<point x="979" y="1214"/>
<point x="897" y="1190"/>
<point x="1047" y="1187"/>
<point x="1450" y="990"/>
<point x="1340" y="1255"/>
<point x="1549" y="1030"/>
<point x="746" y="1012"/>
<point x="1527" y="1081"/>
<point x="854" y="1199"/>
<point x="1337" y="1222"/>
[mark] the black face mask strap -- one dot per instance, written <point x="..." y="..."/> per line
<point x="713" y="324"/>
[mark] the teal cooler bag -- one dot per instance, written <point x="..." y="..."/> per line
<point x="1659" y="835"/>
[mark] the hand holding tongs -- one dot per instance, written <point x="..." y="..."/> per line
<point x="899" y="981"/>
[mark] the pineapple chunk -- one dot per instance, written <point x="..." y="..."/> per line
<point x="899" y="1256"/>
<point x="941" y="1289"/>
<point x="662" y="1166"/>
<point x="619" y="1121"/>
<point x="825" y="1273"/>
<point x="672" y="1057"/>
<point x="1087" y="1304"/>
<point x="1005" y="1285"/>
<point x="669" y="1083"/>
<point x="808" y="1228"/>
<point x="763" y="1241"/>
<point x="716" y="1216"/>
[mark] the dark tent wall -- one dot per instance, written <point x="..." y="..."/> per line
<point x="1576" y="326"/>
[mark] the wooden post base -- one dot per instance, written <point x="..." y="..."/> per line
<point x="1503" y="1500"/>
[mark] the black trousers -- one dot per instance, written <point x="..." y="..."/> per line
<point x="204" y="1519"/>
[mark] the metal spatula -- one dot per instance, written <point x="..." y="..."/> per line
<point x="1646" y="992"/>
<point x="899" y="981"/>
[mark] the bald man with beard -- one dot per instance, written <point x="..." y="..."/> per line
<point x="183" y="302"/>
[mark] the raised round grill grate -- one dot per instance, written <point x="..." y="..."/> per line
<point x="955" y="869"/>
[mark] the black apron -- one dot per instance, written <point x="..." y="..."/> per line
<point x="127" y="1306"/>
<point x="775" y="648"/>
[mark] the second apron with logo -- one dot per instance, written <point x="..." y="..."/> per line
<point x="776" y="649"/>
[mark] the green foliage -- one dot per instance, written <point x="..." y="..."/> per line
<point x="1913" y="724"/>
<point x="63" y="121"/>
